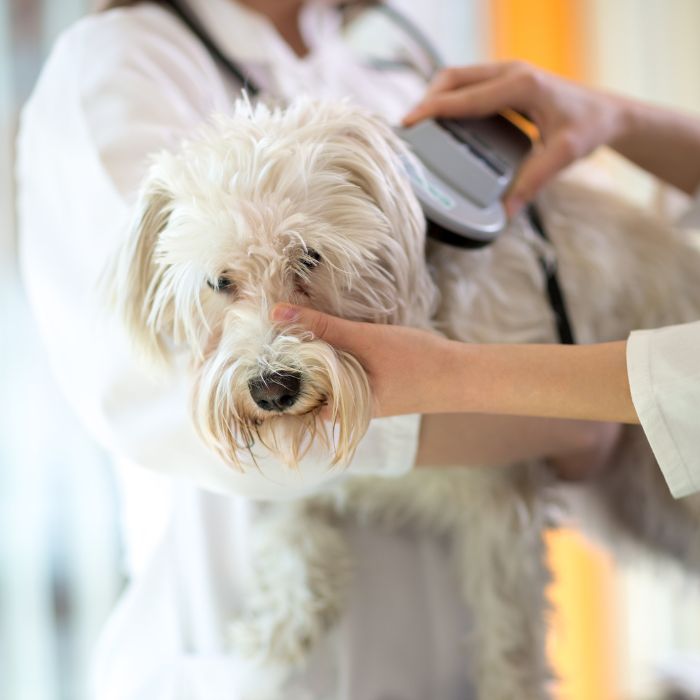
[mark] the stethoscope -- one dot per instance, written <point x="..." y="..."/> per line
<point x="408" y="27"/>
<point x="435" y="229"/>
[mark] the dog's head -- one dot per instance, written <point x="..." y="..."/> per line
<point x="307" y="205"/>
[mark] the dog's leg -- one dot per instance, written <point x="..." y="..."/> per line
<point x="297" y="586"/>
<point x="500" y="554"/>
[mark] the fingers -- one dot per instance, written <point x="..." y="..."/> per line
<point x="555" y="106"/>
<point x="541" y="167"/>
<point x="464" y="83"/>
<point x="335" y="331"/>
<point x="461" y="76"/>
<point x="477" y="100"/>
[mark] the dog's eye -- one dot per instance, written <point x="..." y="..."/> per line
<point x="311" y="258"/>
<point x="222" y="284"/>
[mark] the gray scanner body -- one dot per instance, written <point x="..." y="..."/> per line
<point x="461" y="171"/>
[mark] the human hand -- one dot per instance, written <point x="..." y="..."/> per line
<point x="404" y="365"/>
<point x="414" y="371"/>
<point x="572" y="119"/>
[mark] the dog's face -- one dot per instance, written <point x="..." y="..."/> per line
<point x="307" y="205"/>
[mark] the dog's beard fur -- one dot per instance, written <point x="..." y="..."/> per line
<point x="309" y="205"/>
<point x="229" y="420"/>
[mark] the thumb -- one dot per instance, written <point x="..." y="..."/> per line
<point x="332" y="329"/>
<point x="541" y="167"/>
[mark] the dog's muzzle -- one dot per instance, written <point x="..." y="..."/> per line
<point x="275" y="391"/>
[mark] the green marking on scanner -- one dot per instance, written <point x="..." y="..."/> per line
<point x="440" y="196"/>
<point x="429" y="188"/>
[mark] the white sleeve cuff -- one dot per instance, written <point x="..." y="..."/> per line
<point x="664" y="375"/>
<point x="389" y="448"/>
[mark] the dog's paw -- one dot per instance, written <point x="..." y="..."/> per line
<point x="281" y="640"/>
<point x="296" y="591"/>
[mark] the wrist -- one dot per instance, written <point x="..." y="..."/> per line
<point x="624" y="121"/>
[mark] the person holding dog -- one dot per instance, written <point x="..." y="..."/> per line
<point x="652" y="378"/>
<point x="120" y="85"/>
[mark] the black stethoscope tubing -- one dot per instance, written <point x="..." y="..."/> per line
<point x="188" y="18"/>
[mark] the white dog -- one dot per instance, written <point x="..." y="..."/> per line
<point x="311" y="205"/>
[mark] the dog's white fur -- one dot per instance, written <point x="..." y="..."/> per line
<point x="253" y="202"/>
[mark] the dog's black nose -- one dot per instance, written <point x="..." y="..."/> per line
<point x="275" y="391"/>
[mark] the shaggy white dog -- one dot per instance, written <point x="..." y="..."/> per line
<point x="311" y="205"/>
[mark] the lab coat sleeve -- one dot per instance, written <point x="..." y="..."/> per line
<point x="664" y="373"/>
<point x="118" y="87"/>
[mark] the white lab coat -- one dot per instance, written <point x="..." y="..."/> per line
<point x="117" y="87"/>
<point x="663" y="366"/>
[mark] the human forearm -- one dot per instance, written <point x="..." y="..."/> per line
<point x="664" y="142"/>
<point x="477" y="383"/>
<point x="583" y="382"/>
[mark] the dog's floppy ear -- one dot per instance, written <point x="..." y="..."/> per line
<point x="373" y="158"/>
<point x="137" y="275"/>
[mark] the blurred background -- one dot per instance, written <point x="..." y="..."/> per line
<point x="619" y="631"/>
